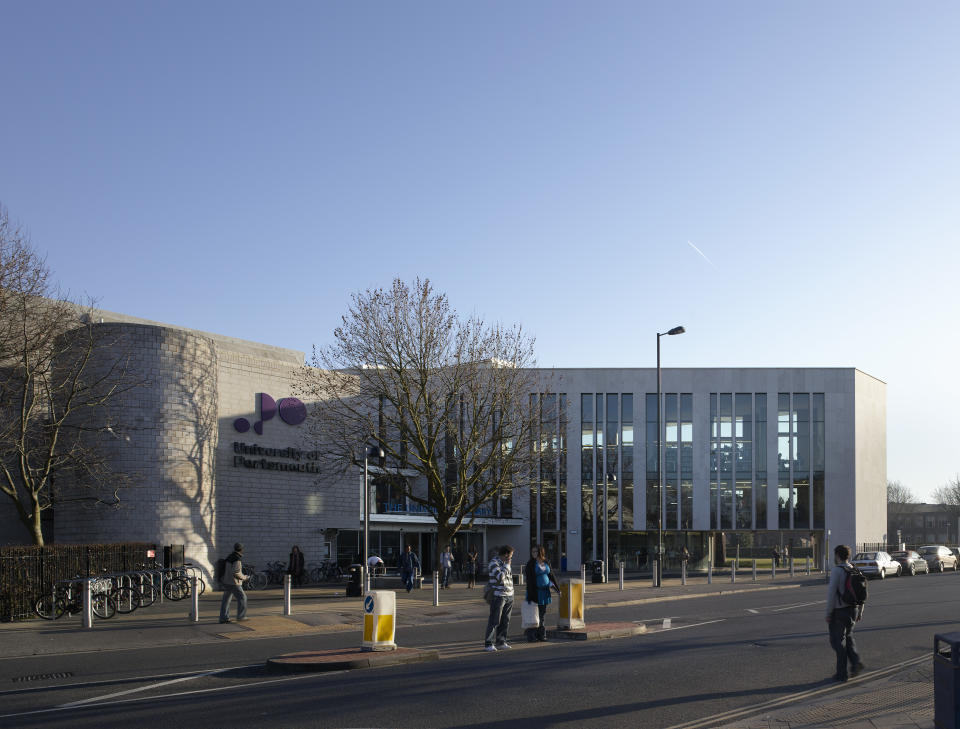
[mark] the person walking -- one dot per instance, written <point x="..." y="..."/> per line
<point x="232" y="583"/>
<point x="446" y="567"/>
<point x="295" y="566"/>
<point x="409" y="562"/>
<point x="539" y="578"/>
<point x="842" y="616"/>
<point x="501" y="581"/>
<point x="472" y="565"/>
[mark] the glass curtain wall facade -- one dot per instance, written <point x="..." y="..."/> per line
<point x="606" y="466"/>
<point x="548" y="493"/>
<point x="801" y="442"/>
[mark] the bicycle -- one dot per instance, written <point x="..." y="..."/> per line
<point x="66" y="598"/>
<point x="276" y="572"/>
<point x="255" y="580"/>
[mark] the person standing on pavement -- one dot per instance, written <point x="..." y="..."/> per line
<point x="409" y="562"/>
<point x="841" y="617"/>
<point x="472" y="565"/>
<point x="295" y="566"/>
<point x="539" y="577"/>
<point x="501" y="581"/>
<point x="446" y="567"/>
<point x="232" y="583"/>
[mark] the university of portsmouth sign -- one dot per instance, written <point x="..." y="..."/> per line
<point x="250" y="455"/>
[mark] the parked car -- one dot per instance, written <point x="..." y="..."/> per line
<point x="911" y="562"/>
<point x="877" y="564"/>
<point x="939" y="558"/>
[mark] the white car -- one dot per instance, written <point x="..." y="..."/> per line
<point x="876" y="564"/>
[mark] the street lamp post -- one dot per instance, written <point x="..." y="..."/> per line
<point x="369" y="452"/>
<point x="606" y="527"/>
<point x="672" y="332"/>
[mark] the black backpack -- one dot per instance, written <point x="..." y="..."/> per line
<point x="854" y="587"/>
<point x="220" y="569"/>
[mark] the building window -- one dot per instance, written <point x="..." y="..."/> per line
<point x="760" y="441"/>
<point x="587" y="453"/>
<point x="626" y="461"/>
<point x="653" y="456"/>
<point x="784" y="504"/>
<point x="819" y="444"/>
<point x="686" y="461"/>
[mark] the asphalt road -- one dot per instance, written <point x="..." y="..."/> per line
<point x="715" y="654"/>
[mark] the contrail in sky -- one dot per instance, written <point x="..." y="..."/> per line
<point x="700" y="252"/>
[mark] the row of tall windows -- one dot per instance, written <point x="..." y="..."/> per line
<point x="738" y="454"/>
<point x="801" y="442"/>
<point x="677" y="459"/>
<point x="548" y="494"/>
<point x="606" y="464"/>
<point x="738" y="461"/>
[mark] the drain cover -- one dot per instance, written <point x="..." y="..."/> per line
<point x="42" y="677"/>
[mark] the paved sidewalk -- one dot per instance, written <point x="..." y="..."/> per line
<point x="902" y="700"/>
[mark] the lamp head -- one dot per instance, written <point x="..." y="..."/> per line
<point x="374" y="452"/>
<point x="676" y="330"/>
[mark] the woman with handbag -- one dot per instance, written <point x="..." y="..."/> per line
<point x="539" y="578"/>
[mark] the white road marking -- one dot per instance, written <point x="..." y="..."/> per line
<point x="802" y="604"/>
<point x="137" y="690"/>
<point x="752" y="610"/>
<point x="666" y="623"/>
<point x="132" y="679"/>
<point x="215" y="689"/>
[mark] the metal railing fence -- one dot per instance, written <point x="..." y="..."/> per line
<point x="25" y="571"/>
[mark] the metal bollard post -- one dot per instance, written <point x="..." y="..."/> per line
<point x="808" y="565"/>
<point x="287" y="589"/>
<point x="709" y="572"/>
<point x="583" y="577"/>
<point x="653" y="575"/>
<point x="733" y="572"/>
<point x="87" y="604"/>
<point x="791" y="566"/>
<point x="436" y="588"/>
<point x="754" y="570"/>
<point x="773" y="570"/>
<point x="520" y="577"/>
<point x="683" y="572"/>
<point x="194" y="600"/>
<point x="621" y="576"/>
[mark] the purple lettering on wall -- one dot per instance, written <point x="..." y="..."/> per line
<point x="292" y="411"/>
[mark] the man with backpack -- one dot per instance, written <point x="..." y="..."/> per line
<point x="232" y="580"/>
<point x="845" y="598"/>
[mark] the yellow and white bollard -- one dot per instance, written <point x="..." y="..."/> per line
<point x="379" y="620"/>
<point x="571" y="605"/>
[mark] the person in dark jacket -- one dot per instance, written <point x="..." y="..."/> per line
<point x="409" y="562"/>
<point x="295" y="567"/>
<point x="539" y="578"/>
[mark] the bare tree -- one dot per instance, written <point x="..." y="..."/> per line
<point x="949" y="493"/>
<point x="949" y="496"/>
<point x="453" y="402"/>
<point x="898" y="496"/>
<point x="59" y="373"/>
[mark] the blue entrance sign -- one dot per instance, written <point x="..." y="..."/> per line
<point x="368" y="604"/>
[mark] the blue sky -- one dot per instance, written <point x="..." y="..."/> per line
<point x="242" y="168"/>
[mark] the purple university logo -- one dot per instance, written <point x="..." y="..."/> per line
<point x="291" y="410"/>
